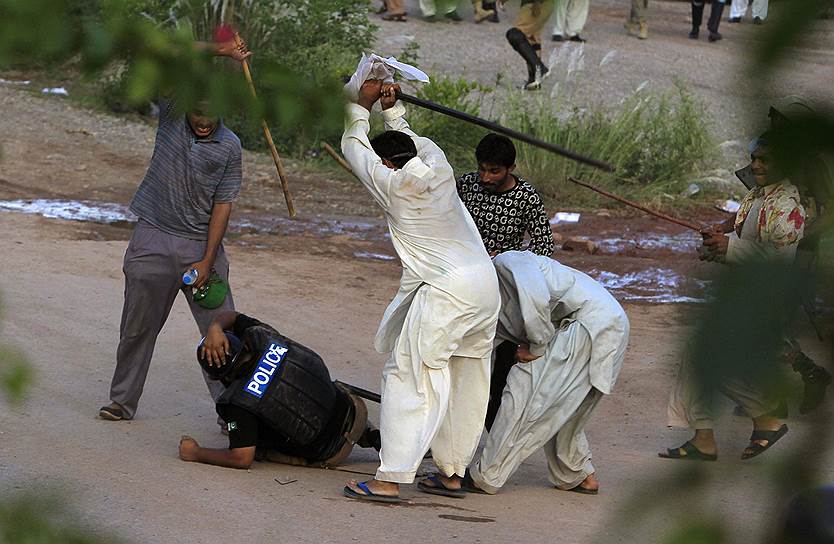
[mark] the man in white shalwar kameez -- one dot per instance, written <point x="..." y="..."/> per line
<point x="440" y="326"/>
<point x="572" y="338"/>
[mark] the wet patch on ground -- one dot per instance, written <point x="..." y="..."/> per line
<point x="639" y="259"/>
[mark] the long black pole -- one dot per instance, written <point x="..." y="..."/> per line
<point x="359" y="392"/>
<point x="495" y="127"/>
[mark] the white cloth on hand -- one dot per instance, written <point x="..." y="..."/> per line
<point x="375" y="67"/>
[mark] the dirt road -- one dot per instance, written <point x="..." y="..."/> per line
<point x="62" y="300"/>
<point x="62" y="293"/>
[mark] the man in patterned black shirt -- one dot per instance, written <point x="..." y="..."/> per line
<point x="503" y="205"/>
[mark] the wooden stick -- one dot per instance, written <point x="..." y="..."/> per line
<point x="495" y="127"/>
<point x="285" y="187"/>
<point x="687" y="224"/>
<point x="338" y="158"/>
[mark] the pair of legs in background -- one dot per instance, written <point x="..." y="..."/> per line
<point x="525" y="38"/>
<point x="738" y="9"/>
<point x="153" y="266"/>
<point x="637" y="23"/>
<point x="569" y="19"/>
<point x="692" y="405"/>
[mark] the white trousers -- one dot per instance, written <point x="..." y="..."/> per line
<point x="739" y="9"/>
<point x="423" y="407"/>
<point x="546" y="403"/>
<point x="691" y="406"/>
<point x="569" y="17"/>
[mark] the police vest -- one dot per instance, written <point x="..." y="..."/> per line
<point x="289" y="389"/>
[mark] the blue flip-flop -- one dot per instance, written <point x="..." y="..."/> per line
<point x="369" y="495"/>
<point x="439" y="488"/>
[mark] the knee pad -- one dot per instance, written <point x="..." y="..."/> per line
<point x="516" y="37"/>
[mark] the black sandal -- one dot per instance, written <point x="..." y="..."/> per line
<point x="397" y="17"/>
<point x="468" y="485"/>
<point x="770" y="436"/>
<point x="690" y="453"/>
<point x="439" y="488"/>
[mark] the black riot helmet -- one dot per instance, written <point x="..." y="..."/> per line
<point x="236" y="358"/>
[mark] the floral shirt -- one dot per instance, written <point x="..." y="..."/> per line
<point x="780" y="223"/>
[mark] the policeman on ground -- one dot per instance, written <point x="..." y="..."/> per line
<point x="279" y="400"/>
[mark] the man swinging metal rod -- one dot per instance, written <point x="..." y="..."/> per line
<point x="495" y="127"/>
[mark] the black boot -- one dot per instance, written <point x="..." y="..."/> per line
<point x="816" y="380"/>
<point x="714" y="20"/>
<point x="491" y="6"/>
<point x="697" y="17"/>
<point x="524" y="48"/>
<point x="543" y="70"/>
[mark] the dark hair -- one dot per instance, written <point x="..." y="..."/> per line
<point x="495" y="149"/>
<point x="394" y="146"/>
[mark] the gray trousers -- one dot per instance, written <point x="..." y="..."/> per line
<point x="153" y="266"/>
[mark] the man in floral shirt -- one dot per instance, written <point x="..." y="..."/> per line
<point x="768" y="227"/>
<point x="771" y="224"/>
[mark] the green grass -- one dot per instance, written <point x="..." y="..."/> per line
<point x="657" y="142"/>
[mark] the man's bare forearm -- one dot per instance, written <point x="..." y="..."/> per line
<point x="230" y="458"/>
<point x="218" y="223"/>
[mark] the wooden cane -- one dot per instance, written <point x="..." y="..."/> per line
<point x="682" y="223"/>
<point x="279" y="165"/>
<point x="338" y="158"/>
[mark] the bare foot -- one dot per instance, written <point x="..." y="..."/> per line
<point x="377" y="487"/>
<point x="704" y="440"/>
<point x="590" y="483"/>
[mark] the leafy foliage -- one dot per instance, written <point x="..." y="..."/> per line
<point x="321" y="39"/>
<point x="40" y="519"/>
<point x="656" y="143"/>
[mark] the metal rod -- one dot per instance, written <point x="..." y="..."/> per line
<point x="687" y="224"/>
<point x="495" y="127"/>
<point x="279" y="165"/>
<point x="338" y="158"/>
<point x="359" y="392"/>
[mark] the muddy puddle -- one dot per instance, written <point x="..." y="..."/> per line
<point x="657" y="285"/>
<point x="651" y="284"/>
<point x="685" y="242"/>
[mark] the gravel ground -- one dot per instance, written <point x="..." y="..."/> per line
<point x="714" y="71"/>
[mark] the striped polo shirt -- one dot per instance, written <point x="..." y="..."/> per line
<point x="187" y="175"/>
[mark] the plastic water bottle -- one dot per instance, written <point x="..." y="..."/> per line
<point x="190" y="277"/>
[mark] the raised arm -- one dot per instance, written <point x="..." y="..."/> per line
<point x="393" y="113"/>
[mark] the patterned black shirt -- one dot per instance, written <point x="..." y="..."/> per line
<point x="503" y="218"/>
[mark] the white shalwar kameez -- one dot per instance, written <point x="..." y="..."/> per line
<point x="580" y="333"/>
<point x="440" y="326"/>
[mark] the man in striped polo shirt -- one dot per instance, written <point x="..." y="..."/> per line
<point x="183" y="205"/>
